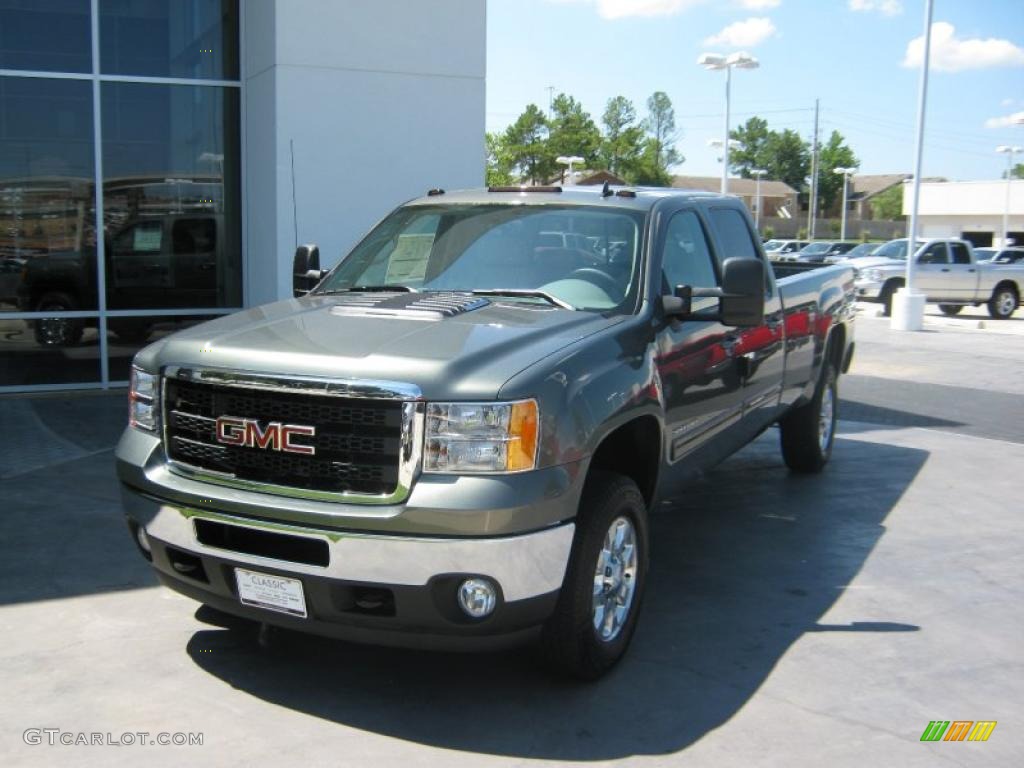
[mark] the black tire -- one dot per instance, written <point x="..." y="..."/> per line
<point x="950" y="310"/>
<point x="1003" y="303"/>
<point x="886" y="296"/>
<point x="806" y="447"/>
<point x="570" y="642"/>
<point x="58" y="331"/>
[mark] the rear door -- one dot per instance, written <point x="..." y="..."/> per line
<point x="963" y="273"/>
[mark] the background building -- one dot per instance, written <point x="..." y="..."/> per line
<point x="972" y="210"/>
<point x="203" y="140"/>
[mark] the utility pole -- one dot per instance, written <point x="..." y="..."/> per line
<point x="812" y="209"/>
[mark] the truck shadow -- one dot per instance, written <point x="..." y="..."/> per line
<point x="742" y="567"/>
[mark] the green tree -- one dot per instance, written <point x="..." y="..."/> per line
<point x="648" y="170"/>
<point x="571" y="131"/>
<point x="1017" y="172"/>
<point x="787" y="158"/>
<point x="753" y="138"/>
<point x="835" y="154"/>
<point x="623" y="139"/>
<point x="499" y="164"/>
<point x="526" y="145"/>
<point x="661" y="127"/>
<point x="888" y="204"/>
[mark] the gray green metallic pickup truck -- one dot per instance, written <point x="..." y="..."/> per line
<point x="454" y="438"/>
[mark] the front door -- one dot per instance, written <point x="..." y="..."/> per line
<point x="931" y="272"/>
<point x="700" y="379"/>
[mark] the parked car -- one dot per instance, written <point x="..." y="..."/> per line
<point x="817" y="252"/>
<point x="947" y="272"/>
<point x="858" y="251"/>
<point x="776" y="248"/>
<point x="1010" y="255"/>
<point x="466" y="456"/>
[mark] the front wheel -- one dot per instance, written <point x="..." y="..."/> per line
<point x="58" y="331"/>
<point x="604" y="582"/>
<point x="1003" y="302"/>
<point x="886" y="295"/>
<point x="950" y="310"/>
<point x="808" y="432"/>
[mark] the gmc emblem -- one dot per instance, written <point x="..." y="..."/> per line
<point x="247" y="433"/>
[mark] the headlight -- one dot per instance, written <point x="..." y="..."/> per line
<point x="143" y="399"/>
<point x="873" y="275"/>
<point x="481" y="437"/>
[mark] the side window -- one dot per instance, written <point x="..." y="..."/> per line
<point x="960" y="254"/>
<point x="190" y="236"/>
<point x="687" y="259"/>
<point x="735" y="238"/>
<point x="143" y="237"/>
<point x="934" y="254"/>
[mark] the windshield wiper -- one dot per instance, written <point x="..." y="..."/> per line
<point x="369" y="289"/>
<point x="526" y="293"/>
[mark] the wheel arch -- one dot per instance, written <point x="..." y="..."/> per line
<point x="633" y="449"/>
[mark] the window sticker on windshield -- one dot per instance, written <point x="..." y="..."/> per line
<point x="408" y="262"/>
<point x="147" y="238"/>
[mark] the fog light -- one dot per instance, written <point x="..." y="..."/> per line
<point x="142" y="538"/>
<point x="477" y="597"/>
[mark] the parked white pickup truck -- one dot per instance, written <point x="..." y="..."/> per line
<point x="947" y="272"/>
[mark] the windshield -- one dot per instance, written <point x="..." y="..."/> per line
<point x="586" y="257"/>
<point x="895" y="249"/>
<point x="816" y="248"/>
<point x="984" y="253"/>
<point x="773" y="245"/>
<point x="864" y="249"/>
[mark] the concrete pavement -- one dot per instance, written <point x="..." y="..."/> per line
<point x="789" y="620"/>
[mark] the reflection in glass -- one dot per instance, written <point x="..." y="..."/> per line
<point x="171" y="196"/>
<point x="127" y="335"/>
<point x="155" y="38"/>
<point x="47" y="206"/>
<point x="45" y="35"/>
<point x="24" y="360"/>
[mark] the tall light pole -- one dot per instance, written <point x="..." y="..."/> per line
<point x="846" y="183"/>
<point x="907" y="306"/>
<point x="713" y="61"/>
<point x="757" y="174"/>
<point x="1009" y="152"/>
<point x="570" y="161"/>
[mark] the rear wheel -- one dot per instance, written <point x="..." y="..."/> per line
<point x="58" y="331"/>
<point x="1003" y="302"/>
<point x="950" y="309"/>
<point x="604" y="582"/>
<point x="808" y="432"/>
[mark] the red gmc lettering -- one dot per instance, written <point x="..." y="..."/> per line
<point x="248" y="433"/>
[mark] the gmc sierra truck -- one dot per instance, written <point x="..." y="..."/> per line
<point x="947" y="272"/>
<point x="454" y="438"/>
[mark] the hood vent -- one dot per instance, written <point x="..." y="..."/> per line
<point x="417" y="306"/>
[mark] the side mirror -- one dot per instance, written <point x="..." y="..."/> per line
<point x="305" y="269"/>
<point x="743" y="288"/>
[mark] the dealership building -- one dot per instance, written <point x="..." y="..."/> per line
<point x="161" y="160"/>
<point x="972" y="210"/>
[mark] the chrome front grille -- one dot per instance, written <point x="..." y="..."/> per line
<point x="366" y="446"/>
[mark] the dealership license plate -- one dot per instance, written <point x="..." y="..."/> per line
<point x="275" y="593"/>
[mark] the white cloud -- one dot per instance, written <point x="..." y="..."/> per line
<point x="620" y="9"/>
<point x="760" y="5"/>
<point x="1017" y="118"/>
<point x="951" y="54"/>
<point x="1006" y="102"/>
<point x="884" y="7"/>
<point x="743" y="34"/>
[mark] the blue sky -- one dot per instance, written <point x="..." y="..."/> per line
<point x="850" y="53"/>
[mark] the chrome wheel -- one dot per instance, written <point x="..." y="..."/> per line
<point x="825" y="417"/>
<point x="1006" y="303"/>
<point x="615" y="579"/>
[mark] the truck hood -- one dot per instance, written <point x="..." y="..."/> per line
<point x="874" y="262"/>
<point x="467" y="354"/>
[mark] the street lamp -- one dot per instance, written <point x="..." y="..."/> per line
<point x="570" y="161"/>
<point x="757" y="174"/>
<point x="846" y="183"/>
<point x="1009" y="151"/>
<point x="714" y="61"/>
